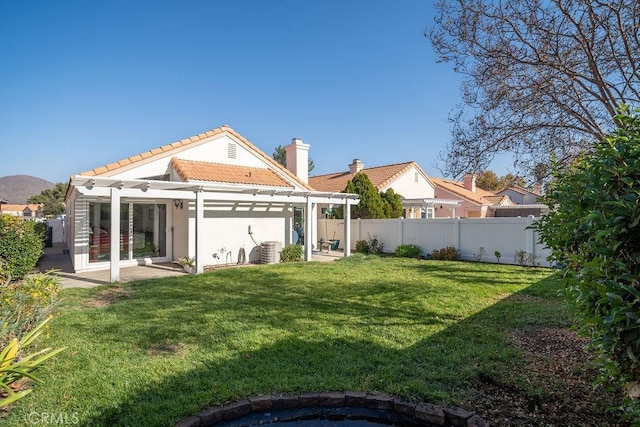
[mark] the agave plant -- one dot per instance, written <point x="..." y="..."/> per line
<point x="14" y="368"/>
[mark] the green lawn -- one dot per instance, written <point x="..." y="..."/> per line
<point x="149" y="353"/>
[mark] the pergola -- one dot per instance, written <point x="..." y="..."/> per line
<point x="116" y="189"/>
<point x="432" y="203"/>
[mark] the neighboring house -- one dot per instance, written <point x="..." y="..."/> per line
<point x="526" y="203"/>
<point x="213" y="196"/>
<point x="520" y="195"/>
<point x="406" y="179"/>
<point x="476" y="202"/>
<point x="30" y="211"/>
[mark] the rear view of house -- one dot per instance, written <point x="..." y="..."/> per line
<point x="213" y="196"/>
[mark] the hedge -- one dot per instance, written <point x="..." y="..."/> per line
<point x="21" y="245"/>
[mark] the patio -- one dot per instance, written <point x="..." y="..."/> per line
<point x="57" y="258"/>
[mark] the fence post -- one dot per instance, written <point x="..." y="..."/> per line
<point x="456" y="233"/>
<point x="531" y="236"/>
<point x="401" y="230"/>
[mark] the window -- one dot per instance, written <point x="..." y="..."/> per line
<point x="427" y="213"/>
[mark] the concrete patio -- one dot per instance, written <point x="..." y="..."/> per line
<point x="56" y="258"/>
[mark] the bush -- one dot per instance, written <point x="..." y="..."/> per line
<point x="15" y="366"/>
<point x="26" y="303"/>
<point x="408" y="251"/>
<point x="291" y="253"/>
<point x="369" y="246"/>
<point x="446" y="254"/>
<point x="21" y="245"/>
<point x="594" y="233"/>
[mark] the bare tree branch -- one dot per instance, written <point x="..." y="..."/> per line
<point x="542" y="77"/>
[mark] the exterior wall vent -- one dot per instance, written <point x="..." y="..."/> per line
<point x="231" y="150"/>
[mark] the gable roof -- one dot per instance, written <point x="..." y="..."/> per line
<point x="177" y="146"/>
<point x="499" y="200"/>
<point x="190" y="170"/>
<point x="520" y="190"/>
<point x="481" y="197"/>
<point x="33" y="207"/>
<point x="380" y="177"/>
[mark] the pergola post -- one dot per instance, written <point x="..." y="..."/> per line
<point x="288" y="225"/>
<point x="114" y="237"/>
<point x="347" y="228"/>
<point x="308" y="230"/>
<point x="199" y="231"/>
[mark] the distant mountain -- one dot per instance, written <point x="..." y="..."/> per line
<point x="16" y="189"/>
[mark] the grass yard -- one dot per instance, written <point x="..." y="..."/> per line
<point x="152" y="352"/>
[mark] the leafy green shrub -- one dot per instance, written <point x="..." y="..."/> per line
<point x="408" y="251"/>
<point x="26" y="303"/>
<point x="15" y="366"/>
<point x="594" y="233"/>
<point x="21" y="245"/>
<point x="291" y="253"/>
<point x="362" y="247"/>
<point x="370" y="246"/>
<point x="446" y="254"/>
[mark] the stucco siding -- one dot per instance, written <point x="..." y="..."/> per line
<point x="215" y="151"/>
<point x="226" y="231"/>
<point x="411" y="188"/>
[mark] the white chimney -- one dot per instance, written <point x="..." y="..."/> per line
<point x="298" y="159"/>
<point x="469" y="181"/>
<point x="356" y="166"/>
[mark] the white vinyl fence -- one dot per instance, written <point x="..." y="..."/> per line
<point x="505" y="235"/>
<point x="57" y="226"/>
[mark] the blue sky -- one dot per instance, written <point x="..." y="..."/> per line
<point x="85" y="83"/>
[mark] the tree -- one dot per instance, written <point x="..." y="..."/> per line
<point x="510" y="180"/>
<point x="488" y="180"/>
<point x="542" y="78"/>
<point x="52" y="199"/>
<point x="371" y="204"/>
<point x="280" y="156"/>
<point x="594" y="233"/>
<point x="392" y="204"/>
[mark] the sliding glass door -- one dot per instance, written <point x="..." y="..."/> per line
<point x="100" y="231"/>
<point x="149" y="230"/>
<point x="143" y="231"/>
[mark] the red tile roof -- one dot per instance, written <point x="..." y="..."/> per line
<point x="175" y="147"/>
<point x="19" y="208"/>
<point x="481" y="197"/>
<point x="192" y="170"/>
<point x="380" y="177"/>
